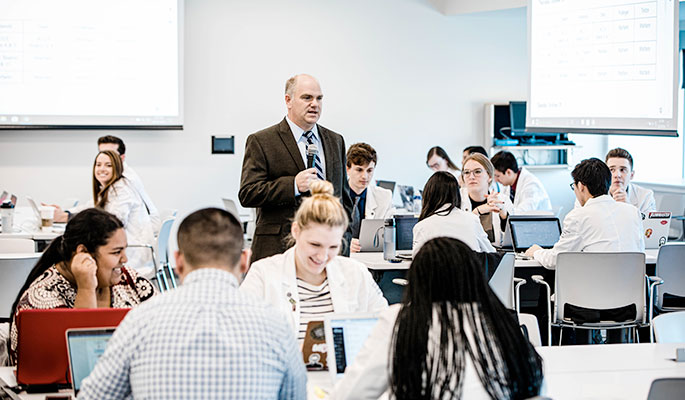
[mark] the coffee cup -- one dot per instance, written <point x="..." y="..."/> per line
<point x="47" y="216"/>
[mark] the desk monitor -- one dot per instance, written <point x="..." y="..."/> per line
<point x="517" y="115"/>
<point x="530" y="230"/>
<point x="84" y="348"/>
<point x="42" y="350"/>
<point x="345" y="336"/>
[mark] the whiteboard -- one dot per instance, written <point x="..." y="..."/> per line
<point x="90" y="64"/>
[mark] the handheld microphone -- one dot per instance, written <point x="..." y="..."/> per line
<point x="312" y="151"/>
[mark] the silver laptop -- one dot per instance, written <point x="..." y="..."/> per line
<point x="345" y="336"/>
<point x="655" y="226"/>
<point x="84" y="347"/>
<point x="529" y="230"/>
<point x="371" y="235"/>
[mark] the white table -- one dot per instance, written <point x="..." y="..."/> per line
<point x="26" y="227"/>
<point x="375" y="261"/>
<point x="611" y="371"/>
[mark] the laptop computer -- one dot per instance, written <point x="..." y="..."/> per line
<point x="371" y="235"/>
<point x="34" y="207"/>
<point x="655" y="227"/>
<point x="345" y="336"/>
<point x="84" y="348"/>
<point x="404" y="235"/>
<point x="314" y="352"/>
<point x="42" y="360"/>
<point x="390" y="185"/>
<point x="506" y="237"/>
<point x="529" y="230"/>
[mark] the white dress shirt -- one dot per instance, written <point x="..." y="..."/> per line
<point x="601" y="225"/>
<point x="530" y="195"/>
<point x="203" y="340"/>
<point x="302" y="145"/>
<point x="458" y="224"/>
<point x="352" y="287"/>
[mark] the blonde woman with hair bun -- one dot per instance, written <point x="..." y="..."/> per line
<point x="311" y="279"/>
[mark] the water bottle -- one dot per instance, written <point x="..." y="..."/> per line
<point x="417" y="204"/>
<point x="7" y="213"/>
<point x="389" y="239"/>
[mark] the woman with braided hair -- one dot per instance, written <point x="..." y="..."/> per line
<point x="450" y="338"/>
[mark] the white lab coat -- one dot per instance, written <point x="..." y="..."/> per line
<point x="367" y="377"/>
<point x="125" y="202"/>
<point x="458" y="224"/>
<point x="496" y="222"/>
<point x="352" y="287"/>
<point x="642" y="198"/>
<point x="530" y="195"/>
<point x="601" y="225"/>
<point x="378" y="203"/>
<point x="137" y="184"/>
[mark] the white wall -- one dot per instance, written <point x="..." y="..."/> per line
<point x="395" y="73"/>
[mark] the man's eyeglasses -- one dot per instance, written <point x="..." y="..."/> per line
<point x="573" y="186"/>
<point x="476" y="172"/>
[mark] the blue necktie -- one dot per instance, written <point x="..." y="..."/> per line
<point x="317" y="161"/>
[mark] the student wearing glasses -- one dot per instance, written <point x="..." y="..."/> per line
<point x="438" y="160"/>
<point x="600" y="224"/>
<point x="479" y="196"/>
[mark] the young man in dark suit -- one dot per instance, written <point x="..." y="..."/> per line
<point x="274" y="175"/>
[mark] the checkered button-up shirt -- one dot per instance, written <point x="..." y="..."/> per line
<point x="203" y="340"/>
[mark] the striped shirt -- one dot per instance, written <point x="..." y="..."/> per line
<point x="315" y="302"/>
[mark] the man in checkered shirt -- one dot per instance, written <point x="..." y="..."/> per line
<point x="205" y="339"/>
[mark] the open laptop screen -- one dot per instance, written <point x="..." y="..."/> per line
<point x="85" y="347"/>
<point x="404" y="232"/>
<point x="349" y="335"/>
<point x="544" y="232"/>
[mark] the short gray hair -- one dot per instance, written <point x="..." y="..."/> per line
<point x="290" y="85"/>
